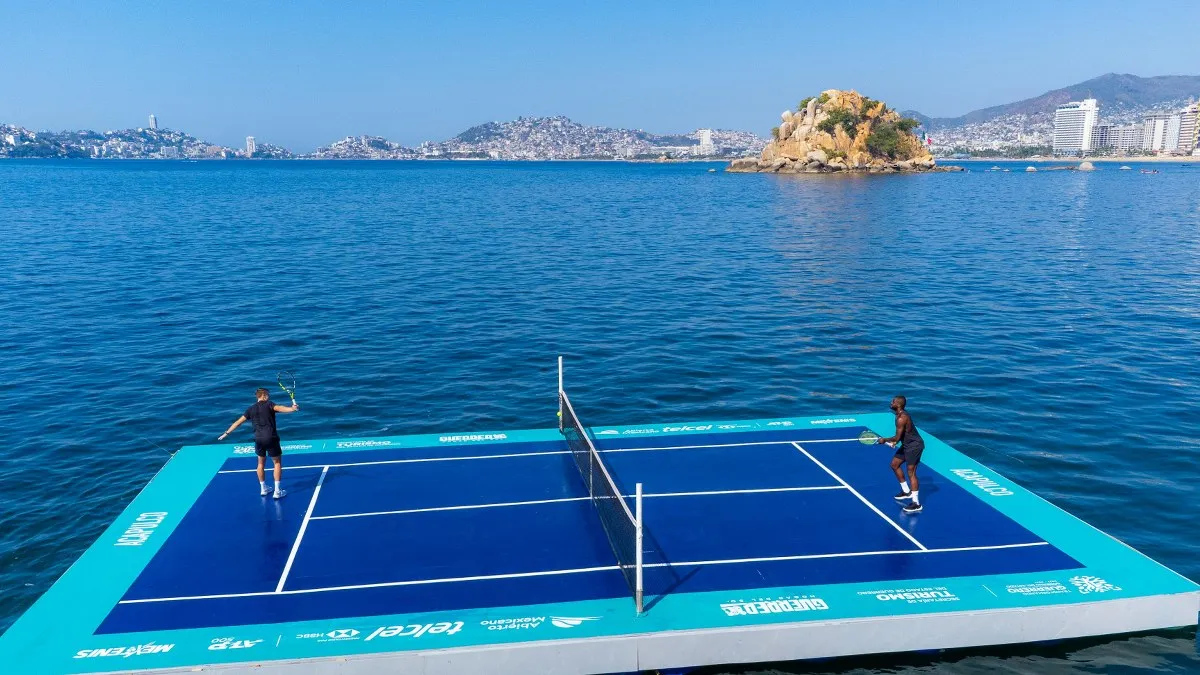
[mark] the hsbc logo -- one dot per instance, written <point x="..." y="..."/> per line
<point x="336" y="635"/>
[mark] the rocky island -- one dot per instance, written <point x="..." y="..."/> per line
<point x="842" y="131"/>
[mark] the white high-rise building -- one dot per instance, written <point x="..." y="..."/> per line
<point x="1171" y="133"/>
<point x="250" y="146"/>
<point x="1127" y="137"/>
<point x="153" y="122"/>
<point x="1073" y="124"/>
<point x="706" y="143"/>
<point x="1154" y="131"/>
<point x="1102" y="136"/>
<point x="1188" y="127"/>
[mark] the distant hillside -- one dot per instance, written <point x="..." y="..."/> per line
<point x="1118" y="96"/>
<point x="21" y="143"/>
<point x="563" y="138"/>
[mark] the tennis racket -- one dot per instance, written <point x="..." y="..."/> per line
<point x="868" y="437"/>
<point x="287" y="382"/>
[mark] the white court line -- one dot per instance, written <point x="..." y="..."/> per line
<point x="412" y="461"/>
<point x="863" y="499"/>
<point x="300" y="535"/>
<point x="728" y="445"/>
<point x="564" y="500"/>
<point x="855" y="554"/>
<point x="583" y="570"/>
<point x="511" y="455"/>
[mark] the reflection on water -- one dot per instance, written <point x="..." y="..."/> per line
<point x="1158" y="652"/>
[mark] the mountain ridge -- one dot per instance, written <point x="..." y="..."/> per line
<point x="1116" y="92"/>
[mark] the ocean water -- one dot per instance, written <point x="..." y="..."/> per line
<point x="1047" y="324"/>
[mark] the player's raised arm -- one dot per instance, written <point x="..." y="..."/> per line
<point x="287" y="408"/>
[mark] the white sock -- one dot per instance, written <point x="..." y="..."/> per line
<point x="916" y="500"/>
<point x="278" y="486"/>
<point x="262" y="485"/>
<point x="904" y="486"/>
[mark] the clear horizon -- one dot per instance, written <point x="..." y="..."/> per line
<point x="307" y="74"/>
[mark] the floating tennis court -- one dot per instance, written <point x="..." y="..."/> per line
<point x="582" y="550"/>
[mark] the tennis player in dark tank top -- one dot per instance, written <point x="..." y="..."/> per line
<point x="911" y="445"/>
<point x="266" y="437"/>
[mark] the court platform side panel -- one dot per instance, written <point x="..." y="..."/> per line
<point x="360" y="560"/>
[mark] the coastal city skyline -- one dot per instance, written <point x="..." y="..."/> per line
<point x="412" y="74"/>
<point x="1142" y="116"/>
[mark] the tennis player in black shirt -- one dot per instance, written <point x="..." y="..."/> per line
<point x="266" y="437"/>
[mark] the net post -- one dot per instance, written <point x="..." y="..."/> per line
<point x="637" y="504"/>
<point x="560" y="391"/>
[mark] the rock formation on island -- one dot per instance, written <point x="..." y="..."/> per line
<point x="842" y="131"/>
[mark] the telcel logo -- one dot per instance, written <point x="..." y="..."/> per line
<point x="416" y="630"/>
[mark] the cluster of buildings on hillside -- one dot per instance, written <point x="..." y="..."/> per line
<point x="148" y="142"/>
<point x="536" y="138"/>
<point x="525" y="138"/>
<point x="1079" y="131"/>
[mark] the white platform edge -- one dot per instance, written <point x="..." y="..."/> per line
<point x="756" y="644"/>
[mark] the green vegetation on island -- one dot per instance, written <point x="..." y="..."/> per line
<point x="842" y="131"/>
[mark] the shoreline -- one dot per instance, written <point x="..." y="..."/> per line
<point x="1174" y="159"/>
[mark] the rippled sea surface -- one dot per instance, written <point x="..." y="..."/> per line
<point x="1047" y="324"/>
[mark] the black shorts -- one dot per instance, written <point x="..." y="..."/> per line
<point x="267" y="448"/>
<point x="911" y="457"/>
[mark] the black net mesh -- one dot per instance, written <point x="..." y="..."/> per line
<point x="615" y="514"/>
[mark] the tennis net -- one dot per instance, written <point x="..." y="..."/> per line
<point x="623" y="527"/>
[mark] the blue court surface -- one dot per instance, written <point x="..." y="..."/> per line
<point x="763" y="540"/>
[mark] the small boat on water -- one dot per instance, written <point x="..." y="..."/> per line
<point x="1149" y="170"/>
<point x="1126" y="168"/>
<point x="1031" y="169"/>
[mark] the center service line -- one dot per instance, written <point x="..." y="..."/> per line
<point x="863" y="499"/>
<point x="300" y="535"/>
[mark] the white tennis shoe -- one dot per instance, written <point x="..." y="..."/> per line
<point x="264" y="491"/>
<point x="280" y="493"/>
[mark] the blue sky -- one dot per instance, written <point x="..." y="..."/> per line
<point x="301" y="74"/>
